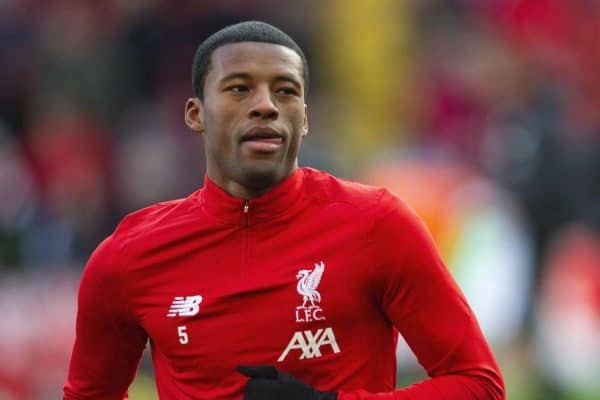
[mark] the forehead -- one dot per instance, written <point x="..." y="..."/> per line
<point x="254" y="58"/>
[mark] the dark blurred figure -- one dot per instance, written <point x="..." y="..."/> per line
<point x="17" y="22"/>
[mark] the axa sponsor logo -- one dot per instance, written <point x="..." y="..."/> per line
<point x="308" y="344"/>
<point x="308" y="282"/>
<point x="187" y="306"/>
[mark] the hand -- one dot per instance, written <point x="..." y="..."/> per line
<point x="268" y="383"/>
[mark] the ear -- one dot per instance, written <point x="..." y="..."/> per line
<point x="305" y="124"/>
<point x="193" y="114"/>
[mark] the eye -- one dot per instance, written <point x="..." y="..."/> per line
<point x="287" y="91"/>
<point x="237" y="89"/>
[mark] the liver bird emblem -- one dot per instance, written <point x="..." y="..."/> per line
<point x="308" y="281"/>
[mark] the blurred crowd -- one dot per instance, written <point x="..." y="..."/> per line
<point x="483" y="114"/>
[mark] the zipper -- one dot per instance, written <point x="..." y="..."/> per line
<point x="247" y="212"/>
<point x="246" y="237"/>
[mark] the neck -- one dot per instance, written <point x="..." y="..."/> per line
<point x="250" y="188"/>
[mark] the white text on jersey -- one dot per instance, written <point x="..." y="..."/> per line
<point x="310" y="344"/>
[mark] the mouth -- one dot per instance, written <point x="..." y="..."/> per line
<point x="262" y="139"/>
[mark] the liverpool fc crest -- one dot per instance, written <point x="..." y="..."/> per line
<point x="308" y="282"/>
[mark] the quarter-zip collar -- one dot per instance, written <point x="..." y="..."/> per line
<point x="277" y="202"/>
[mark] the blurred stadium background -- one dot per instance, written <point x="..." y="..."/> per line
<point x="483" y="114"/>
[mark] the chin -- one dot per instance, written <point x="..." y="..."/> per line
<point x="265" y="175"/>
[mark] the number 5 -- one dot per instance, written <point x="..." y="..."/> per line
<point x="183" y="336"/>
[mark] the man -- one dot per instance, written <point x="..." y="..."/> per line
<point x="271" y="281"/>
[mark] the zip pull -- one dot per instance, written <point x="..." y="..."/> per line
<point x="246" y="206"/>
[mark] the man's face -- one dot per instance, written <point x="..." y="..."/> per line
<point x="253" y="115"/>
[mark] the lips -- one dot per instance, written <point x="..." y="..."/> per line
<point x="262" y="139"/>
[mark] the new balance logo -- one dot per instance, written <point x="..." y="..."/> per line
<point x="310" y="344"/>
<point x="185" y="307"/>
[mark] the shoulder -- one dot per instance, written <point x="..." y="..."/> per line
<point x="322" y="186"/>
<point x="147" y="220"/>
<point x="139" y="226"/>
<point x="373" y="200"/>
<point x="114" y="252"/>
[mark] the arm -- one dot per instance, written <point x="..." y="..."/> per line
<point x="419" y="296"/>
<point x="108" y="344"/>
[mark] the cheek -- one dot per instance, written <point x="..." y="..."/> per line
<point x="296" y="117"/>
<point x="220" y="120"/>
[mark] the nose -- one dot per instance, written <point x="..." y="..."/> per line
<point x="263" y="107"/>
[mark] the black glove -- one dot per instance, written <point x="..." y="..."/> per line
<point x="268" y="383"/>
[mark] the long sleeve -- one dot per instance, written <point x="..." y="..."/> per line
<point x="421" y="299"/>
<point x="108" y="344"/>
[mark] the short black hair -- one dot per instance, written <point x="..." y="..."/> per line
<point x="248" y="31"/>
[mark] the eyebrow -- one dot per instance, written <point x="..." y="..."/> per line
<point x="279" y="78"/>
<point x="289" y="78"/>
<point x="235" y="75"/>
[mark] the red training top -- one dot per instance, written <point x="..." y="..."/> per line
<point x="316" y="277"/>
